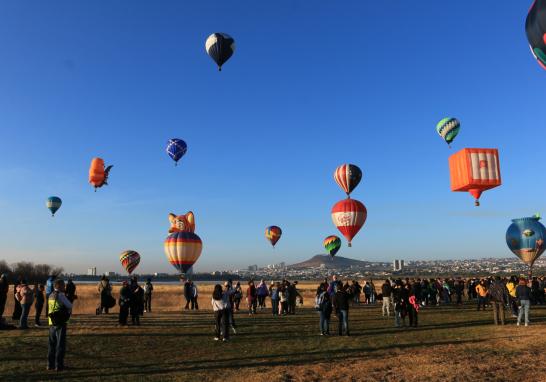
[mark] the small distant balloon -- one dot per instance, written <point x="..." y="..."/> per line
<point x="176" y="149"/>
<point x="129" y="260"/>
<point x="332" y="244"/>
<point x="448" y="128"/>
<point x="347" y="176"/>
<point x="273" y="234"/>
<point x="53" y="204"/>
<point x="220" y="47"/>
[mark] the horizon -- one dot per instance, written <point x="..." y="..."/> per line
<point x="264" y="135"/>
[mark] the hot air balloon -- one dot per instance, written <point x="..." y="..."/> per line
<point x="525" y="238"/>
<point x="332" y="244"/>
<point x="535" y="27"/>
<point x="448" y="128"/>
<point x="220" y="47"/>
<point x="475" y="170"/>
<point x="129" y="260"/>
<point x="53" y="204"/>
<point x="176" y="148"/>
<point x="98" y="175"/>
<point x="347" y="176"/>
<point x="273" y="234"/>
<point x="183" y="249"/>
<point x="349" y="215"/>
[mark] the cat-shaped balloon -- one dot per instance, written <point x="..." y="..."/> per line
<point x="182" y="223"/>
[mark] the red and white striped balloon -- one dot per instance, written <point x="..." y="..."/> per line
<point x="349" y="215"/>
<point x="347" y="176"/>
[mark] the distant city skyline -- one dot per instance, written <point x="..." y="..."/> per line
<point x="117" y="80"/>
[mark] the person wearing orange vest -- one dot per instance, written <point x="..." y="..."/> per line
<point x="481" y="290"/>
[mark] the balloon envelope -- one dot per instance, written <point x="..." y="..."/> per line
<point x="220" y="47"/>
<point x="129" y="260"/>
<point x="448" y="128"/>
<point x="183" y="249"/>
<point x="176" y="148"/>
<point x="525" y="238"/>
<point x="98" y="174"/>
<point x="535" y="28"/>
<point x="332" y="244"/>
<point x="347" y="176"/>
<point x="349" y="215"/>
<point x="273" y="234"/>
<point x="53" y="203"/>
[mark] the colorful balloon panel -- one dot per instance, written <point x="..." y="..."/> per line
<point x="448" y="128"/>
<point x="220" y="47"/>
<point x="347" y="176"/>
<point x="273" y="234"/>
<point x="176" y="149"/>
<point x="525" y="238"/>
<point x="53" y="203"/>
<point x="129" y="260"/>
<point x="183" y="249"/>
<point x="349" y="216"/>
<point x="182" y="223"/>
<point x="475" y="170"/>
<point x="332" y="244"/>
<point x="535" y="28"/>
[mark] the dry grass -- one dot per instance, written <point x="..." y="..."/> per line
<point x="451" y="344"/>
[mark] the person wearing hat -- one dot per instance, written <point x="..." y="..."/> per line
<point x="57" y="330"/>
<point x="4" y="289"/>
<point x="124" y="303"/>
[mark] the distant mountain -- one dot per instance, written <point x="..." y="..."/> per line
<point x="336" y="262"/>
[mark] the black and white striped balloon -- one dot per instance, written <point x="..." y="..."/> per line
<point x="220" y="47"/>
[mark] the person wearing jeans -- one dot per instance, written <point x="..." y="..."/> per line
<point x="57" y="333"/>
<point x="341" y="305"/>
<point x="481" y="290"/>
<point x="25" y="296"/>
<point x="274" y="293"/>
<point x="523" y="294"/>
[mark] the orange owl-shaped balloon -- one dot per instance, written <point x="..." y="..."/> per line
<point x="182" y="223"/>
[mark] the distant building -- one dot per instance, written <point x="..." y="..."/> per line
<point x="110" y="274"/>
<point x="252" y="268"/>
<point x="92" y="271"/>
<point x="397" y="265"/>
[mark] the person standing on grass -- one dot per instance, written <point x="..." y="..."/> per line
<point x="237" y="296"/>
<point x="57" y="330"/>
<point x="17" y="310"/>
<point x="511" y="287"/>
<point x="386" y="290"/>
<point x="262" y="293"/>
<point x="523" y="295"/>
<point x="274" y="294"/>
<point x="221" y="320"/>
<point x="459" y="290"/>
<point x="39" y="305"/>
<point x="324" y="306"/>
<point x="25" y="296"/>
<point x="293" y="296"/>
<point x="4" y="289"/>
<point x="105" y="292"/>
<point x="251" y="298"/>
<point x="49" y="289"/>
<point x="70" y="291"/>
<point x="481" y="291"/>
<point x="497" y="293"/>
<point x="194" y="297"/>
<point x="399" y="302"/>
<point x="188" y="291"/>
<point x="413" y="307"/>
<point x="341" y="307"/>
<point x="227" y="296"/>
<point x="137" y="301"/>
<point x="124" y="303"/>
<point x="148" y="288"/>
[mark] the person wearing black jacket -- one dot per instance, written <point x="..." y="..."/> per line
<point x="137" y="301"/>
<point x="39" y="304"/>
<point x="386" y="291"/>
<point x="400" y="300"/>
<point x="188" y="293"/>
<point x="341" y="306"/>
<point x="124" y="303"/>
<point x="17" y="309"/>
<point x="4" y="289"/>
<point x="523" y="295"/>
<point x="324" y="306"/>
<point x="498" y="296"/>
<point x="70" y="291"/>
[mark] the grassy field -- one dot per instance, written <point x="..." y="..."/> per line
<point x="451" y="344"/>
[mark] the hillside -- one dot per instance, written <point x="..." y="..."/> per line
<point x="336" y="262"/>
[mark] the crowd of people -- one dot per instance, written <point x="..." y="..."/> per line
<point x="402" y="297"/>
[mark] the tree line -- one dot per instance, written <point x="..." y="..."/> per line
<point x="32" y="273"/>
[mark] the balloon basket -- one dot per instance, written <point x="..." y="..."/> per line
<point x="349" y="245"/>
<point x="477" y="203"/>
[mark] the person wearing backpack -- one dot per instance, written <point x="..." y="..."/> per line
<point x="324" y="305"/>
<point x="25" y="296"/>
<point x="59" y="309"/>
<point x="148" y="288"/>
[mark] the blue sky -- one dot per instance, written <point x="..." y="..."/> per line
<point x="311" y="85"/>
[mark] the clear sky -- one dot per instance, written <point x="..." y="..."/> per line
<point x="312" y="84"/>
